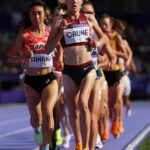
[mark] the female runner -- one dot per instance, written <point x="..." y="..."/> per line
<point x="40" y="85"/>
<point x="73" y="31"/>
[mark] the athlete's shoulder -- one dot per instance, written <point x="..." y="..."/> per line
<point x="118" y="37"/>
<point x="21" y="34"/>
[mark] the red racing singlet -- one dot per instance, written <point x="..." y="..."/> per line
<point x="77" y="32"/>
<point x="37" y="45"/>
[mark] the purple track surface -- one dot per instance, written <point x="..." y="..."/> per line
<point x="17" y="134"/>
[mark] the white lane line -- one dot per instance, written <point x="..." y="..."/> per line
<point x="135" y="141"/>
<point x="13" y="121"/>
<point x="15" y="132"/>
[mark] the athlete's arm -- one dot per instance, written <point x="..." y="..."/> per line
<point x="103" y="61"/>
<point x="13" y="53"/>
<point x="93" y="22"/>
<point x="60" y="56"/>
<point x="122" y="53"/>
<point x="110" y="53"/>
<point x="57" y="31"/>
<point x="129" y="52"/>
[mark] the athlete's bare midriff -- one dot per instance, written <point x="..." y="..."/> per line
<point x="37" y="71"/>
<point x="76" y="55"/>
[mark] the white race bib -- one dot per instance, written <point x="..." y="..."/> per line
<point x="94" y="59"/>
<point x="41" y="61"/>
<point x="77" y="34"/>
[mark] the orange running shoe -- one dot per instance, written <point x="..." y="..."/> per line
<point x="85" y="149"/>
<point x="117" y="136"/>
<point x="121" y="128"/>
<point x="105" y="135"/>
<point x="115" y="129"/>
<point x="78" y="146"/>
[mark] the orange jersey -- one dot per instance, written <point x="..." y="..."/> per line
<point x="37" y="45"/>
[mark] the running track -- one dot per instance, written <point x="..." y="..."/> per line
<point x="17" y="134"/>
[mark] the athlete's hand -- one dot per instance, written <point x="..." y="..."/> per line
<point x="28" y="55"/>
<point x="127" y="64"/>
<point x="63" y="25"/>
<point x="101" y="58"/>
<point x="93" y="43"/>
<point x="112" y="65"/>
<point x="60" y="65"/>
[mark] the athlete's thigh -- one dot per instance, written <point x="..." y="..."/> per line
<point x="95" y="97"/>
<point x="33" y="99"/>
<point x="71" y="91"/>
<point x="122" y="85"/>
<point x="87" y="85"/>
<point x="50" y="94"/>
<point x="111" y="92"/>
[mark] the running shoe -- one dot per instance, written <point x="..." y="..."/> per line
<point x="38" y="135"/>
<point x="105" y="135"/>
<point x="99" y="143"/>
<point x="121" y="128"/>
<point x="115" y="129"/>
<point x="117" y="136"/>
<point x="53" y="145"/>
<point x="78" y="146"/>
<point x="45" y="148"/>
<point x="58" y="137"/>
<point x="129" y="113"/>
<point x="66" y="141"/>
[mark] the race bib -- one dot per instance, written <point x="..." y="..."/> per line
<point x="94" y="59"/>
<point x="77" y="34"/>
<point x="41" y="61"/>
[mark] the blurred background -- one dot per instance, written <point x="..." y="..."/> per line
<point x="135" y="12"/>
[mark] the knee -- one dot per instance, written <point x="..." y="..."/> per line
<point x="94" y="117"/>
<point x="83" y="106"/>
<point x="74" y="114"/>
<point x="47" y="115"/>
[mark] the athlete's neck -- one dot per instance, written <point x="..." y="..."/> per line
<point x="73" y="15"/>
<point x="39" y="28"/>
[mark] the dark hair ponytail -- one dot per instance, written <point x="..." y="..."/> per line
<point x="118" y="25"/>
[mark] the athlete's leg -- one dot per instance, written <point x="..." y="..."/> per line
<point x="115" y="107"/>
<point x="126" y="96"/>
<point x="105" y="135"/>
<point x="49" y="98"/>
<point x="34" y="106"/>
<point x="67" y="136"/>
<point x="122" y="89"/>
<point x="85" y="90"/>
<point x="71" y="99"/>
<point x="95" y="98"/>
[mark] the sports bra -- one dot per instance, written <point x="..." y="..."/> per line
<point x="112" y="41"/>
<point x="77" y="32"/>
<point x="37" y="45"/>
<point x="114" y="47"/>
